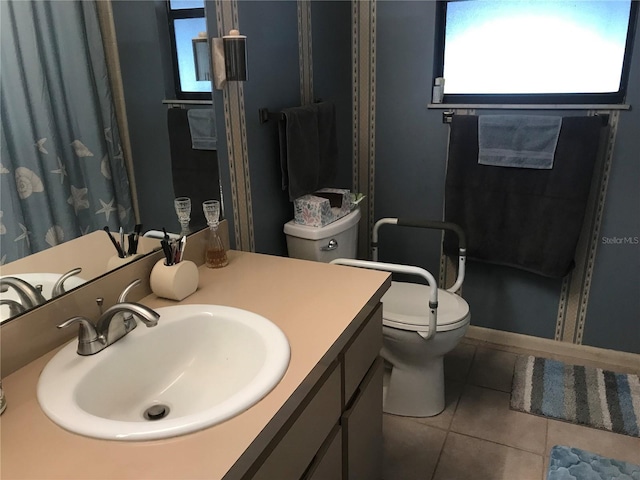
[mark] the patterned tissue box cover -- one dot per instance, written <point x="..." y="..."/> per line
<point x="315" y="211"/>
<point x="312" y="211"/>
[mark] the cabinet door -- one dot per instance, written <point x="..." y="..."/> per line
<point x="362" y="428"/>
<point x="361" y="353"/>
<point x="328" y="464"/>
<point x="300" y="444"/>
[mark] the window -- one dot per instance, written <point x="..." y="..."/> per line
<point x="536" y="51"/>
<point x="186" y="22"/>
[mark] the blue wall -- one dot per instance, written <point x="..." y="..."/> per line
<point x="331" y="38"/>
<point x="143" y="44"/>
<point x="410" y="169"/>
<point x="274" y="83"/>
<point x="613" y="315"/>
<point x="411" y="147"/>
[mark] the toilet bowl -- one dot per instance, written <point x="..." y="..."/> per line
<point x="416" y="382"/>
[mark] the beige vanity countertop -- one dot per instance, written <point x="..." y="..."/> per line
<point x="313" y="303"/>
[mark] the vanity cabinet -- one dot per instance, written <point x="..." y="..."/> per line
<point x="336" y="434"/>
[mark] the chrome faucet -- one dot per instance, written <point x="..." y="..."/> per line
<point x="29" y="295"/>
<point x="113" y="324"/>
<point x="58" y="288"/>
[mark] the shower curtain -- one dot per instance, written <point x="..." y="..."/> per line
<point x="62" y="171"/>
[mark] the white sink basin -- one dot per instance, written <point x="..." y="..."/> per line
<point x="47" y="280"/>
<point x="204" y="363"/>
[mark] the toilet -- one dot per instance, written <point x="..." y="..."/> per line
<point x="415" y="385"/>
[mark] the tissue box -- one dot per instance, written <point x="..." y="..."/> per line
<point x="322" y="207"/>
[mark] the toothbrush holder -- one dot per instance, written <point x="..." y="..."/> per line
<point x="175" y="282"/>
<point x="116" y="261"/>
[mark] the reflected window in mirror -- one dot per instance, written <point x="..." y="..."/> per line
<point x="189" y="48"/>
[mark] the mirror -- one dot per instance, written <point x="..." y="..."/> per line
<point x="93" y="252"/>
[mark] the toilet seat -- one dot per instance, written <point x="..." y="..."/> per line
<point x="404" y="301"/>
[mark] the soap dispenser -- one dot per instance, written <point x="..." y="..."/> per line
<point x="215" y="254"/>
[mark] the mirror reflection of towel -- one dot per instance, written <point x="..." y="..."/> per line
<point x="195" y="172"/>
<point x="308" y="148"/>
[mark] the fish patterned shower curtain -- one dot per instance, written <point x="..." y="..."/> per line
<point x="62" y="170"/>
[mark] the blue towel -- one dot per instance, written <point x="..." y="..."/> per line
<point x="202" y="125"/>
<point x="522" y="141"/>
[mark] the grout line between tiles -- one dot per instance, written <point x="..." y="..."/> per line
<point x="435" y="467"/>
<point x="499" y="443"/>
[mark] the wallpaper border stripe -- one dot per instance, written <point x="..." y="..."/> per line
<point x="574" y="296"/>
<point x="305" y="52"/>
<point x="236" y="133"/>
<point x="364" y="113"/>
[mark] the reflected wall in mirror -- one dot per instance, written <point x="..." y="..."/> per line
<point x="72" y="155"/>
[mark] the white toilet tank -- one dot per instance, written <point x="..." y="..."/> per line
<point x="323" y="244"/>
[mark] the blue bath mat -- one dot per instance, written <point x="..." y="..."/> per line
<point x="566" y="463"/>
<point x="577" y="394"/>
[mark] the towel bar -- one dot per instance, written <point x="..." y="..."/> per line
<point x="265" y="115"/>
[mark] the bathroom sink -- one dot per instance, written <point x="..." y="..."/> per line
<point x="201" y="365"/>
<point x="47" y="280"/>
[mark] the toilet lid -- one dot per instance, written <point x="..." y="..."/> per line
<point x="406" y="305"/>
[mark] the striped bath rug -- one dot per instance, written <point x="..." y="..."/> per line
<point x="583" y="395"/>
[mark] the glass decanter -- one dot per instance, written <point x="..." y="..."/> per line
<point x="215" y="255"/>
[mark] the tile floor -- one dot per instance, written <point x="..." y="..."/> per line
<point x="477" y="436"/>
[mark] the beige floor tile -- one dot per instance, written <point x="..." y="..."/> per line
<point x="608" y="444"/>
<point x="411" y="450"/>
<point x="458" y="362"/>
<point x="492" y="369"/>
<point x="465" y="458"/>
<point x="452" y="392"/>
<point x="545" y="467"/>
<point x="485" y="414"/>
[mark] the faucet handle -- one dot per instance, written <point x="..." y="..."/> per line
<point x="58" y="288"/>
<point x="87" y="332"/>
<point x="123" y="296"/>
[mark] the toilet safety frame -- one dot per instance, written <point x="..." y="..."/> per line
<point x="412" y="270"/>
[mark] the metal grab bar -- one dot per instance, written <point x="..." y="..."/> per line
<point x="433" y="225"/>
<point x="410" y="270"/>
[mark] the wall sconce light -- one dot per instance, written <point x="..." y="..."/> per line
<point x="229" y="59"/>
<point x="200" y="56"/>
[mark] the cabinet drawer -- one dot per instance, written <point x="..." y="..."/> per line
<point x="362" y="352"/>
<point x="328" y="462"/>
<point x="296" y="450"/>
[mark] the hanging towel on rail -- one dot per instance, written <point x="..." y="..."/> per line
<point x="202" y="125"/>
<point x="308" y="148"/>
<point x="525" y="218"/>
<point x="194" y="172"/>
<point x="522" y="141"/>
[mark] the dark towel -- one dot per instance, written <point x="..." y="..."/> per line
<point x="308" y="148"/>
<point x="530" y="219"/>
<point x="195" y="172"/>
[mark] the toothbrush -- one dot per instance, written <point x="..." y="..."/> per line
<point x="115" y="243"/>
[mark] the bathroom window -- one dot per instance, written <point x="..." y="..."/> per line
<point x="534" y="51"/>
<point x="186" y="22"/>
